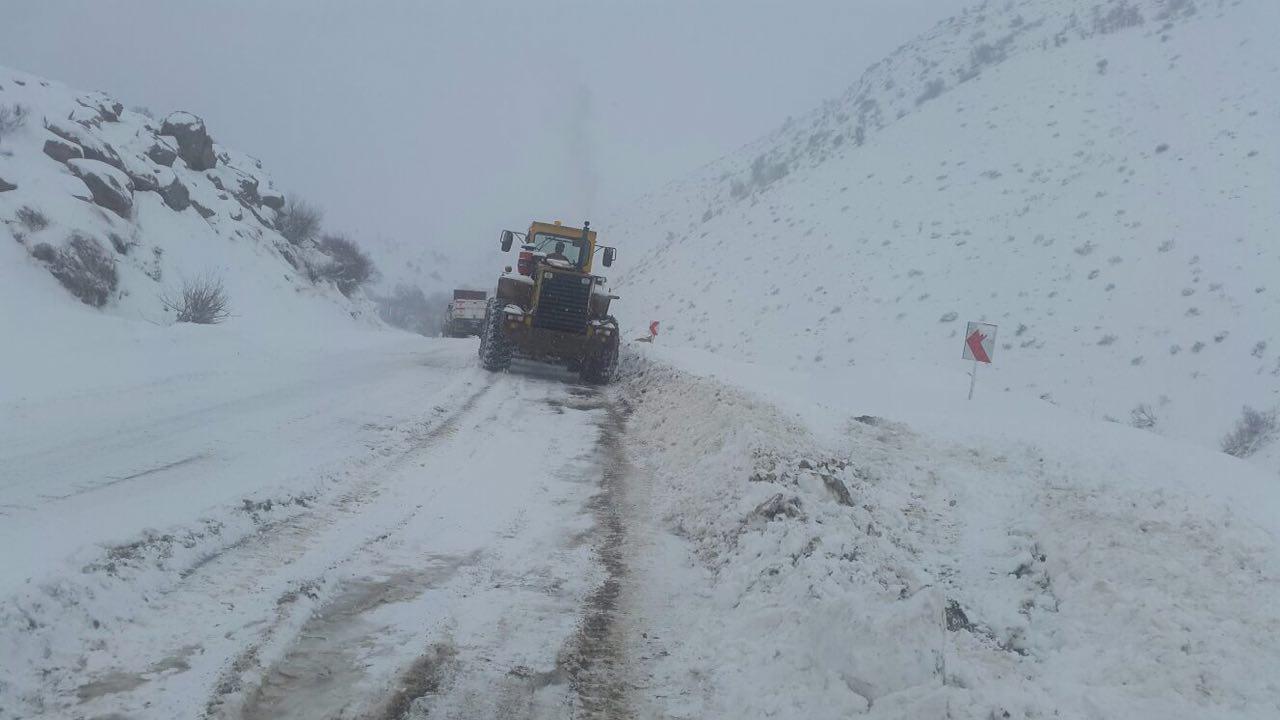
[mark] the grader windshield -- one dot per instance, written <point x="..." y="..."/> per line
<point x="557" y="247"/>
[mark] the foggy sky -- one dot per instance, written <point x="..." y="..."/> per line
<point x="436" y="124"/>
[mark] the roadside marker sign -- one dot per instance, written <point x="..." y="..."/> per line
<point x="979" y="346"/>
<point x="979" y="342"/>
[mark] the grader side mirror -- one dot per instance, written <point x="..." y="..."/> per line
<point x="608" y="256"/>
<point x="507" y="238"/>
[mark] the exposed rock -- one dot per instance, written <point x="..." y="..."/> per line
<point x="6" y="186"/>
<point x="778" y="506"/>
<point x="176" y="195"/>
<point x="205" y="212"/>
<point x="94" y="149"/>
<point x="86" y="117"/>
<point x="62" y="150"/>
<point x="837" y="488"/>
<point x="248" y="191"/>
<point x="104" y="109"/>
<point x="271" y="198"/>
<point x="142" y="173"/>
<point x="162" y="153"/>
<point x="956" y="618"/>
<point x="195" y="147"/>
<point x="110" y="187"/>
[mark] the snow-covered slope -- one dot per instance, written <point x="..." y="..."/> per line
<point x="124" y="209"/>
<point x="1098" y="178"/>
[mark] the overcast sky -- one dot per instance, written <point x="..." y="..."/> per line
<point x="436" y="124"/>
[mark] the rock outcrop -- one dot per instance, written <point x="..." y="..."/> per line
<point x="195" y="147"/>
<point x="110" y="187"/>
<point x="62" y="150"/>
<point x="93" y="147"/>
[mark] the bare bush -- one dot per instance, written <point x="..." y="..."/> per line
<point x="1120" y="16"/>
<point x="348" y="267"/>
<point x="203" y="301"/>
<point x="12" y="118"/>
<point x="1177" y="8"/>
<point x="299" y="222"/>
<point x="84" y="267"/>
<point x="1143" y="417"/>
<point x="32" y="219"/>
<point x="44" y="252"/>
<point x="1253" y="430"/>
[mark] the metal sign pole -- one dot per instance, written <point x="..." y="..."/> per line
<point x="973" y="378"/>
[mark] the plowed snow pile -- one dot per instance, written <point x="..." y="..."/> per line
<point x="833" y="561"/>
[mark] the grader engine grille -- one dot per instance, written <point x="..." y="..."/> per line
<point x="562" y="303"/>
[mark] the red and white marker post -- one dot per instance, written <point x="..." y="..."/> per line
<point x="979" y="346"/>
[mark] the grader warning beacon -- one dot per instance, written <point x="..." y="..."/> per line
<point x="552" y="308"/>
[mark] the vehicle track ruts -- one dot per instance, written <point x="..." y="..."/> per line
<point x="596" y="659"/>
<point x="242" y="564"/>
<point x="348" y="502"/>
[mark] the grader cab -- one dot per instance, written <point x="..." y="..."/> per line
<point x="551" y="308"/>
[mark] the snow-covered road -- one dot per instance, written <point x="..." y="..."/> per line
<point x="335" y="538"/>
<point x="376" y="528"/>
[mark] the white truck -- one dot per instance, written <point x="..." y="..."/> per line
<point x="465" y="316"/>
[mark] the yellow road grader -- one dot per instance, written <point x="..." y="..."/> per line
<point x="551" y="308"/>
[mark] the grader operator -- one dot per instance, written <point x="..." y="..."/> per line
<point x="552" y="308"/>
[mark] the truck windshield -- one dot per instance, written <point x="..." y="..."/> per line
<point x="546" y="244"/>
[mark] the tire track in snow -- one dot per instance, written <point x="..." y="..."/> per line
<point x="350" y="600"/>
<point x="553" y="655"/>
<point x="323" y="664"/>
<point x="249" y="562"/>
<point x="596" y="661"/>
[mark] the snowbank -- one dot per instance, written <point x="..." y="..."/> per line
<point x="818" y="556"/>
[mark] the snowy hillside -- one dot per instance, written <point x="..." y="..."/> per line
<point x="1097" y="178"/>
<point x="121" y="210"/>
